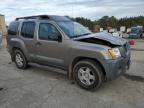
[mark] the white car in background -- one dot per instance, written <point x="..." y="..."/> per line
<point x="116" y="34"/>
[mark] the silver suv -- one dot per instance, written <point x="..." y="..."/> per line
<point x="57" y="41"/>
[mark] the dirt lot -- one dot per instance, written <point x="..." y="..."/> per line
<point x="39" y="88"/>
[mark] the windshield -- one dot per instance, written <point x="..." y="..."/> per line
<point x="134" y="30"/>
<point x="73" y="29"/>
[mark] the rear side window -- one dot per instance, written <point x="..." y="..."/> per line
<point x="13" y="28"/>
<point x="27" y="30"/>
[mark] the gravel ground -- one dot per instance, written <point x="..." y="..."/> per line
<point x="137" y="64"/>
<point x="39" y="88"/>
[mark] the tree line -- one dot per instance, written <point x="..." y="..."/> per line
<point x="112" y="21"/>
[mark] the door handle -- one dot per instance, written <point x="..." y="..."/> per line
<point x="38" y="44"/>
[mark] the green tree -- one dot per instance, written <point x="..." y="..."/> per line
<point x="112" y="21"/>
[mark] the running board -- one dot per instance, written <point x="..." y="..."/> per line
<point x="49" y="68"/>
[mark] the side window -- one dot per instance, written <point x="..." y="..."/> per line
<point x="27" y="30"/>
<point x="46" y="30"/>
<point x="13" y="28"/>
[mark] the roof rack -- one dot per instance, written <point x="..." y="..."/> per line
<point x="34" y="17"/>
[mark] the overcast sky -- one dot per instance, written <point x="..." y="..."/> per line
<point x="93" y="9"/>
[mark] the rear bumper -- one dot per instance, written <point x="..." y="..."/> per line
<point x="115" y="68"/>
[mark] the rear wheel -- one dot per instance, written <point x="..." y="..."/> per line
<point x="88" y="74"/>
<point x="20" y="59"/>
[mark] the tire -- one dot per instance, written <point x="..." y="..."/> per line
<point x="20" y="59"/>
<point x="90" y="81"/>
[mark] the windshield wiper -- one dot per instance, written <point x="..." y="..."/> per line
<point x="81" y="35"/>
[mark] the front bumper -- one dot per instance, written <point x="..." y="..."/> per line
<point x="115" y="68"/>
<point x="133" y="36"/>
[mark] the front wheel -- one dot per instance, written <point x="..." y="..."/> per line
<point x="88" y="74"/>
<point x="20" y="59"/>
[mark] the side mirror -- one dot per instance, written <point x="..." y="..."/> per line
<point x="55" y="37"/>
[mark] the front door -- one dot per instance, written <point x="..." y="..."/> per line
<point x="49" y="50"/>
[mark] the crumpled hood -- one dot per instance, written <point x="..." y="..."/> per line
<point x="106" y="37"/>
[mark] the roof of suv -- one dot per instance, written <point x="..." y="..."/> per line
<point x="45" y="17"/>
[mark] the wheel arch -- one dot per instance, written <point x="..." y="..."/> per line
<point x="77" y="59"/>
<point x="17" y="48"/>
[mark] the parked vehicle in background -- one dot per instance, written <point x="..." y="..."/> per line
<point x="136" y="32"/>
<point x="125" y="35"/>
<point x="59" y="42"/>
<point x="116" y="34"/>
<point x="123" y="29"/>
<point x="128" y="30"/>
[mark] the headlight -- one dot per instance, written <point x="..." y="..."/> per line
<point x="115" y="53"/>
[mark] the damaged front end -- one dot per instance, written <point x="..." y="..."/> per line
<point x="98" y="41"/>
<point x="107" y="40"/>
<point x="103" y="39"/>
<point x="119" y="51"/>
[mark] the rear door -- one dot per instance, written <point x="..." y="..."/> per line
<point x="27" y="34"/>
